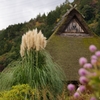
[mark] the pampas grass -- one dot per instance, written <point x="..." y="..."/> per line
<point x="36" y="68"/>
<point x="7" y="75"/>
<point x="32" y="40"/>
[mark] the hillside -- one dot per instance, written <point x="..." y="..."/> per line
<point x="10" y="38"/>
<point x="91" y="11"/>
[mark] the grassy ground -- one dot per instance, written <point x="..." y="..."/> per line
<point x="66" y="52"/>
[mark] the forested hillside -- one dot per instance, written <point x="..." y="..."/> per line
<point x="10" y="38"/>
<point x="91" y="10"/>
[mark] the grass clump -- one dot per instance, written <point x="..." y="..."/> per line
<point x="36" y="69"/>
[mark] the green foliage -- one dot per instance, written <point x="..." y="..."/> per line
<point x="9" y="57"/>
<point x="6" y="76"/>
<point x="88" y="12"/>
<point x="90" y="9"/>
<point x="98" y="28"/>
<point x="38" y="70"/>
<point x="25" y="92"/>
<point x="51" y="18"/>
<point x="10" y="37"/>
<point x="18" y="92"/>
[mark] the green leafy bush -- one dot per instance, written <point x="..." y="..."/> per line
<point x="18" y="92"/>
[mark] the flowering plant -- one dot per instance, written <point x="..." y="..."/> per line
<point x="89" y="76"/>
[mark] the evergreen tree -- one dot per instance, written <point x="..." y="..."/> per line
<point x="98" y="28"/>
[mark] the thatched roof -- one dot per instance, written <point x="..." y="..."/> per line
<point x="66" y="51"/>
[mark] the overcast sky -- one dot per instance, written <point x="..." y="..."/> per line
<point x="17" y="11"/>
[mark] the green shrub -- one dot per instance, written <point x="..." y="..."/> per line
<point x="18" y="92"/>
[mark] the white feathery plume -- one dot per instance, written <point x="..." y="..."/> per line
<point x="40" y="39"/>
<point x="32" y="43"/>
<point x="28" y="40"/>
<point x="35" y="38"/>
<point x="37" y="43"/>
<point x="32" y="40"/>
<point x="23" y="45"/>
<point x="22" y="50"/>
<point x="24" y="41"/>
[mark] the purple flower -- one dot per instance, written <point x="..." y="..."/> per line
<point x="82" y="72"/>
<point x="93" y="61"/>
<point x="76" y="95"/>
<point x="82" y="61"/>
<point x="92" y="48"/>
<point x="87" y="65"/>
<point x="71" y="87"/>
<point x="97" y="53"/>
<point x="94" y="57"/>
<point x="82" y="88"/>
<point x="93" y="98"/>
<point x="83" y="80"/>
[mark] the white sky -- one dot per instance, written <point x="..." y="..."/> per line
<point x="17" y="11"/>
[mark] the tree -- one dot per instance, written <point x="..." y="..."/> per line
<point x="88" y="12"/>
<point x="98" y="28"/>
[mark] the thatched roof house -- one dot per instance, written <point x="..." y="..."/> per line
<point x="70" y="41"/>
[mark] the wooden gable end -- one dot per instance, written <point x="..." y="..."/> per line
<point x="74" y="24"/>
<point x="74" y="27"/>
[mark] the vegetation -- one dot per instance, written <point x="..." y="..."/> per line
<point x="18" y="92"/>
<point x="91" y="10"/>
<point x="10" y="38"/>
<point x="89" y="78"/>
<point x="34" y="76"/>
<point x="35" y="69"/>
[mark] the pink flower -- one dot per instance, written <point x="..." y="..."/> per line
<point x="93" y="98"/>
<point x="93" y="61"/>
<point x="71" y="87"/>
<point x="83" y="80"/>
<point x="92" y="48"/>
<point x="97" y="53"/>
<point x="82" y="72"/>
<point x="87" y="65"/>
<point x="76" y="95"/>
<point x="94" y="57"/>
<point x="82" y="61"/>
<point x="82" y="88"/>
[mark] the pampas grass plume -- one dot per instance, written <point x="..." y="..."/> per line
<point x="32" y="40"/>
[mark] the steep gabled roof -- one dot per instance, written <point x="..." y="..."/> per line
<point x="66" y="51"/>
<point x="73" y="13"/>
